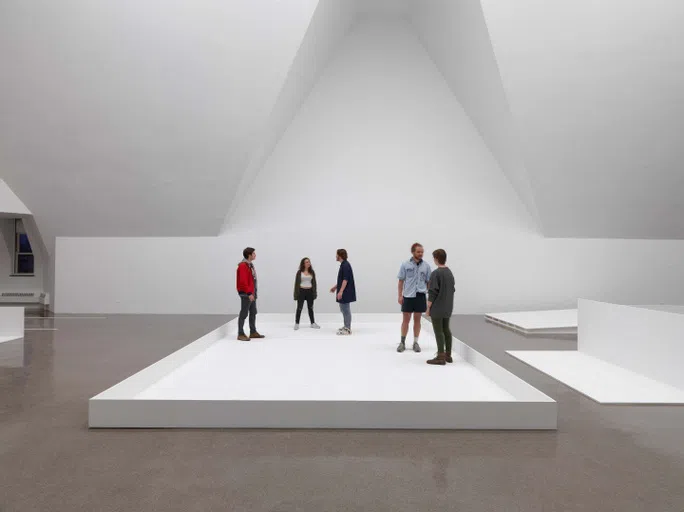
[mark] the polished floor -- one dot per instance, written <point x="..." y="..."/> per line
<point x="602" y="458"/>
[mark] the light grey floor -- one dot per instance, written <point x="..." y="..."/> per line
<point x="603" y="458"/>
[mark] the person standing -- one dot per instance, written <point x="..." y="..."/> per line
<point x="346" y="291"/>
<point x="246" y="283"/>
<point x="305" y="290"/>
<point x="414" y="276"/>
<point x="440" y="307"/>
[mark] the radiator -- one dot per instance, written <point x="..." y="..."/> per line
<point x="27" y="297"/>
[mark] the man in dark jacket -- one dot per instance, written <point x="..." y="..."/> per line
<point x="346" y="291"/>
<point x="246" y="283"/>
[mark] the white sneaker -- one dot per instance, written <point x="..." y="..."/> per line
<point x="315" y="326"/>
<point x="344" y="332"/>
<point x="296" y="327"/>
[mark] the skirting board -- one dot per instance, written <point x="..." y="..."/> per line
<point x="356" y="384"/>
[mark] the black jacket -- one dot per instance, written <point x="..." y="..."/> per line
<point x="298" y="283"/>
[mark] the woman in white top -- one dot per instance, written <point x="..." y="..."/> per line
<point x="305" y="290"/>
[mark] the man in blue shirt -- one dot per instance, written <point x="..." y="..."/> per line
<point x="414" y="276"/>
<point x="346" y="291"/>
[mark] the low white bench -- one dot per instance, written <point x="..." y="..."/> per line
<point x="11" y="323"/>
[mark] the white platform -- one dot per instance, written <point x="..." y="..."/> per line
<point x="560" y="321"/>
<point x="315" y="379"/>
<point x="599" y="380"/>
<point x="11" y="323"/>
<point x="626" y="354"/>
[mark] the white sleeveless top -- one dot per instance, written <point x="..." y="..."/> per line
<point x="307" y="282"/>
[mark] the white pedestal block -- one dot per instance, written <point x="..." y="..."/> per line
<point x="11" y="323"/>
<point x="560" y="321"/>
<point x="625" y="354"/>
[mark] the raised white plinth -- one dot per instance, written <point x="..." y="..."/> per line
<point x="599" y="380"/>
<point x="11" y="323"/>
<point x="559" y="321"/>
<point x="315" y="379"/>
<point x="644" y="340"/>
<point x="626" y="354"/>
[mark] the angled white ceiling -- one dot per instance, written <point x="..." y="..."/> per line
<point x="597" y="95"/>
<point x="153" y="118"/>
<point x="456" y="37"/>
<point x="380" y="126"/>
<point x="384" y="7"/>
<point x="138" y="118"/>
<point x="10" y="204"/>
<point x="329" y="24"/>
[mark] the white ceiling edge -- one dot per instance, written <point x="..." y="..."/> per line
<point x="595" y="89"/>
<point x="456" y="37"/>
<point x="328" y="26"/>
<point x="10" y="204"/>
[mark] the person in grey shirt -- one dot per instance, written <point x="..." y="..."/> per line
<point x="440" y="307"/>
<point x="414" y="276"/>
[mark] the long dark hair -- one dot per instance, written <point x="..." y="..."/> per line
<point x="301" y="266"/>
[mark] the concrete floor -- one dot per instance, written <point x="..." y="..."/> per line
<point x="603" y="458"/>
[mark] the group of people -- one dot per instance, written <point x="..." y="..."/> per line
<point x="420" y="291"/>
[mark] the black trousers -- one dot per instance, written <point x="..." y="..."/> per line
<point x="305" y="295"/>
<point x="247" y="308"/>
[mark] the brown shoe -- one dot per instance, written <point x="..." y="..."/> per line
<point x="448" y="358"/>
<point x="256" y="336"/>
<point x="439" y="359"/>
<point x="242" y="337"/>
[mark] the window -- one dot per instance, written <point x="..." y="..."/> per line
<point x="23" y="253"/>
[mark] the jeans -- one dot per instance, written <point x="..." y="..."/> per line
<point x="442" y="334"/>
<point x="305" y="294"/>
<point x="248" y="308"/>
<point x="346" y="314"/>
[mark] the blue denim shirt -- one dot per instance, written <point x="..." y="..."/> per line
<point x="416" y="277"/>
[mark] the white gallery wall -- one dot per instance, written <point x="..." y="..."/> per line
<point x="197" y="275"/>
<point x="143" y="275"/>
<point x="381" y="154"/>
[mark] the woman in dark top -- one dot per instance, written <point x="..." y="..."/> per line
<point x="305" y="290"/>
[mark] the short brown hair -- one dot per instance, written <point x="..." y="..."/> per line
<point x="415" y="246"/>
<point x="440" y="256"/>
<point x="248" y="252"/>
<point x="342" y="253"/>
